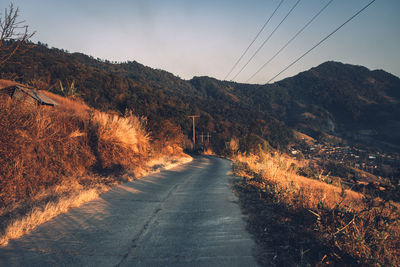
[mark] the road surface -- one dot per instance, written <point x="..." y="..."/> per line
<point x="187" y="216"/>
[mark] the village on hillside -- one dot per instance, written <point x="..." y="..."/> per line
<point x="379" y="164"/>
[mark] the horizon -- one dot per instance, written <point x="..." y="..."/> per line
<point x="190" y="39"/>
<point x="123" y="62"/>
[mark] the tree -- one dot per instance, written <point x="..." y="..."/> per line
<point x="14" y="33"/>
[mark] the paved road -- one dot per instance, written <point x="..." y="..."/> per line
<point x="187" y="216"/>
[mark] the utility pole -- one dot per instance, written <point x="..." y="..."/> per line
<point x="194" y="130"/>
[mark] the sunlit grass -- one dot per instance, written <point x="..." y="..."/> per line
<point x="365" y="228"/>
<point x="39" y="215"/>
<point x="55" y="158"/>
<point x="280" y="172"/>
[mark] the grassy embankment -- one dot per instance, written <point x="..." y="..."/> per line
<point x="312" y="221"/>
<point x="55" y="158"/>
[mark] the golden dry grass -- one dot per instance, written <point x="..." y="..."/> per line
<point x="208" y="151"/>
<point x="280" y="171"/>
<point x="7" y="83"/>
<point x="367" y="229"/>
<point x="73" y="194"/>
<point x="43" y="214"/>
<point x="54" y="158"/>
<point x="126" y="131"/>
<point x="38" y="149"/>
<point x="71" y="105"/>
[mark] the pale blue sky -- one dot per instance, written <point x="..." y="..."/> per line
<point x="197" y="38"/>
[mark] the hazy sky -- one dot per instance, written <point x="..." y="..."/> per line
<point x="205" y="38"/>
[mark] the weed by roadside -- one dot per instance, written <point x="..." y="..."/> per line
<point x="345" y="226"/>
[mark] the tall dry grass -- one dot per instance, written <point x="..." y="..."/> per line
<point x="120" y="140"/>
<point x="38" y="147"/>
<point x="53" y="158"/>
<point x="367" y="229"/>
<point x="40" y="214"/>
<point x="278" y="172"/>
<point x="73" y="105"/>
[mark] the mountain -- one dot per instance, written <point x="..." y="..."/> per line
<point x="332" y="99"/>
<point x="155" y="94"/>
<point x="344" y="99"/>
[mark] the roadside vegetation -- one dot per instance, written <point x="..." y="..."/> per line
<point x="311" y="221"/>
<point x="55" y="158"/>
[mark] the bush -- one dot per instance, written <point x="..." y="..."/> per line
<point x="42" y="147"/>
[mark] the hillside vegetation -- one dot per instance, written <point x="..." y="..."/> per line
<point x="155" y="94"/>
<point x="333" y="98"/>
<point x="58" y="154"/>
<point x="322" y="223"/>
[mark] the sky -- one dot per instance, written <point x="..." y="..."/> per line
<point x="205" y="38"/>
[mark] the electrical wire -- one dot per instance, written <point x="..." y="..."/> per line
<point x="294" y="37"/>
<point x="320" y="42"/>
<point x="269" y="37"/>
<point x="258" y="34"/>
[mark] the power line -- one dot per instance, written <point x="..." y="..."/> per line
<point x="266" y="40"/>
<point x="247" y="49"/>
<point x="320" y="42"/>
<point x="294" y="37"/>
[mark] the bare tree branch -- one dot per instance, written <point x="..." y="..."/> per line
<point x="14" y="34"/>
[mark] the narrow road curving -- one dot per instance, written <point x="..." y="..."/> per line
<point x="187" y="216"/>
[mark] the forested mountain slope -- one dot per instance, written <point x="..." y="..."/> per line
<point x="333" y="98"/>
<point x="156" y="94"/>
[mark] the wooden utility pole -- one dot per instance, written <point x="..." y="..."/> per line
<point x="194" y="130"/>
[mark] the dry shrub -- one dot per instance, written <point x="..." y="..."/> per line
<point x="371" y="235"/>
<point x="234" y="145"/>
<point x="41" y="146"/>
<point x="115" y="140"/>
<point x="208" y="151"/>
<point x="44" y="148"/>
<point x="52" y="158"/>
<point x="279" y="173"/>
<point x="366" y="229"/>
<point x="167" y="139"/>
<point x="38" y="148"/>
<point x="73" y="105"/>
<point x="120" y="140"/>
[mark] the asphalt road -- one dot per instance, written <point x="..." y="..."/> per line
<point x="187" y="216"/>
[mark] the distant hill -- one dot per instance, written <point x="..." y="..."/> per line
<point x="332" y="99"/>
<point x="345" y="99"/>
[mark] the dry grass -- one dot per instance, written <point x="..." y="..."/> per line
<point x="38" y="148"/>
<point x="73" y="194"/>
<point x="120" y="139"/>
<point x="6" y="83"/>
<point x="279" y="172"/>
<point x="71" y="105"/>
<point x="43" y="214"/>
<point x="167" y="139"/>
<point x="208" y="151"/>
<point x="54" y="158"/>
<point x="366" y="229"/>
